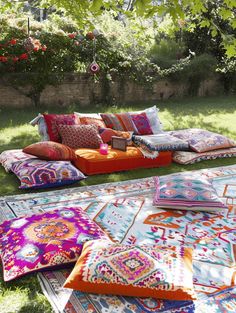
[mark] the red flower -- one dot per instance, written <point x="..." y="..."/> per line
<point x="15" y="59"/>
<point x="36" y="49"/>
<point x="3" y="59"/>
<point x="13" y="41"/>
<point x="23" y="56"/>
<point x="72" y="36"/>
<point x="44" y="48"/>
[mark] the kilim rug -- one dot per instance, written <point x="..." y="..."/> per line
<point x="124" y="210"/>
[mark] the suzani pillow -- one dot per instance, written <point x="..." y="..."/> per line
<point x="201" y="140"/>
<point x="53" y="120"/>
<point x="80" y="136"/>
<point x="9" y="157"/>
<point x="50" y="150"/>
<point x="36" y="173"/>
<point x="45" y="240"/>
<point x="141" y="123"/>
<point x="143" y="271"/>
<point x="186" y="192"/>
<point x="107" y="134"/>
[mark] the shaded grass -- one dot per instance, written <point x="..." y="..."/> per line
<point x="217" y="114"/>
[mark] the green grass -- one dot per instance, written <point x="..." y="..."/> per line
<point x="216" y="114"/>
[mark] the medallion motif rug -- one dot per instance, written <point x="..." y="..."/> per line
<point x="125" y="212"/>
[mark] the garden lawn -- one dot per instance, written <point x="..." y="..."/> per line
<point x="216" y="114"/>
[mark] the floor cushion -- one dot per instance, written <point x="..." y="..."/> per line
<point x="46" y="240"/>
<point x="36" y="173"/>
<point x="161" y="272"/>
<point x="91" y="162"/>
<point x="9" y="157"/>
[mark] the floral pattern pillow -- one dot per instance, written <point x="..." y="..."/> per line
<point x="53" y="120"/>
<point x="80" y="136"/>
<point x="201" y="140"/>
<point x="46" y="240"/>
<point x="36" y="173"/>
<point x="143" y="271"/>
<point x="50" y="150"/>
<point x="186" y="192"/>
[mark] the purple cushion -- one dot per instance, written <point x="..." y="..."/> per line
<point x="45" y="240"/>
<point x="9" y="157"/>
<point x="186" y="192"/>
<point x="35" y="173"/>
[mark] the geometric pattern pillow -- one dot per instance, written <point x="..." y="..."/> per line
<point x="53" y="120"/>
<point x="201" y="140"/>
<point x="45" y="240"/>
<point x="141" y="271"/>
<point x="186" y="192"/>
<point x="9" y="157"/>
<point x="36" y="173"/>
<point x="50" y="150"/>
<point x="80" y="136"/>
<point x="107" y="134"/>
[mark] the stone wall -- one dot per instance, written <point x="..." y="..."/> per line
<point x="83" y="90"/>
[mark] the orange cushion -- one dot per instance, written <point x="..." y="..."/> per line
<point x="90" y="161"/>
<point x="162" y="272"/>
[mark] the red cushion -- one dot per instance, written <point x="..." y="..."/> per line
<point x="91" y="162"/>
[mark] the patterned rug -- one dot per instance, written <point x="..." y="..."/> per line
<point x="124" y="210"/>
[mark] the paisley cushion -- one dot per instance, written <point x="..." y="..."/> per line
<point x="50" y="150"/>
<point x="53" y="120"/>
<point x="201" y="140"/>
<point x="44" y="240"/>
<point x="162" y="272"/>
<point x="36" y="173"/>
<point x="80" y="136"/>
<point x="186" y="192"/>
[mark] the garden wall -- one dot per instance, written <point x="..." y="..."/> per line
<point x="82" y="89"/>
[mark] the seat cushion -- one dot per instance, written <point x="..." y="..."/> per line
<point x="90" y="161"/>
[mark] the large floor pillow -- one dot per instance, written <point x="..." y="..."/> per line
<point x="201" y="140"/>
<point x="35" y="173"/>
<point x="9" y="157"/>
<point x="47" y="240"/>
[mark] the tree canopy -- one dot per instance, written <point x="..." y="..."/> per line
<point x="217" y="16"/>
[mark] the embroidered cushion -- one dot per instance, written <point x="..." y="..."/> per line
<point x="53" y="120"/>
<point x="161" y="142"/>
<point x="80" y="136"/>
<point x="50" y="150"/>
<point x="107" y="133"/>
<point x="119" y="121"/>
<point x="201" y="140"/>
<point x="90" y="118"/>
<point x="143" y="271"/>
<point x="36" y="173"/>
<point x="152" y="114"/>
<point x="186" y="192"/>
<point x="9" y="157"/>
<point x="187" y="157"/>
<point x="44" y="240"/>
<point x="141" y="123"/>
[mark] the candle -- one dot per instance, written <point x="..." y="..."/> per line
<point x="103" y="148"/>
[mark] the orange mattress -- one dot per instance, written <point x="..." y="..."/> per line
<point x="91" y="162"/>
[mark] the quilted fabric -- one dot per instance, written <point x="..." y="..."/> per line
<point x="160" y="142"/>
<point x="44" y="240"/>
<point x="146" y="271"/>
<point x="80" y="136"/>
<point x="141" y="123"/>
<point x="107" y="133"/>
<point x="50" y="150"/>
<point x="36" y="173"/>
<point x="187" y="157"/>
<point x="9" y="157"/>
<point x="53" y="120"/>
<point x="186" y="192"/>
<point x="201" y="140"/>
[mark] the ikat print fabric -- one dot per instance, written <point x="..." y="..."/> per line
<point x="9" y="157"/>
<point x="46" y="240"/>
<point x="131" y="270"/>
